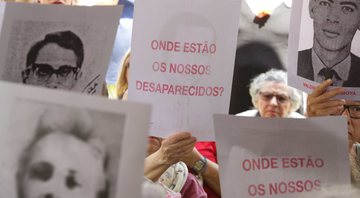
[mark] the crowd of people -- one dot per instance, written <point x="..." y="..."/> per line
<point x="271" y="98"/>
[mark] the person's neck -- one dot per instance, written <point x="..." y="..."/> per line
<point x="331" y="58"/>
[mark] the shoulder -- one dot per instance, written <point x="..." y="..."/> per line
<point x="304" y="53"/>
<point x="355" y="58"/>
<point x="252" y="113"/>
<point x="355" y="68"/>
<point x="248" y="113"/>
<point x="304" y="64"/>
<point x="304" y="57"/>
<point x="354" y="73"/>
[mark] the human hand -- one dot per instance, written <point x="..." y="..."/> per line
<point x="319" y="102"/>
<point x="174" y="147"/>
<point x="154" y="144"/>
<point x="191" y="157"/>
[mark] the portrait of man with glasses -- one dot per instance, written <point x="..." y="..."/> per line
<point x="55" y="62"/>
<point x="43" y="46"/>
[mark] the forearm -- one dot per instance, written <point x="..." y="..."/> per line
<point x="171" y="150"/>
<point x="154" y="167"/>
<point x="211" y="172"/>
<point x="211" y="176"/>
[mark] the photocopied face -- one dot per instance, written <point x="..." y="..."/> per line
<point x="55" y="67"/>
<point x="61" y="165"/>
<point x="64" y="158"/>
<point x="335" y="22"/>
<point x="55" y="62"/>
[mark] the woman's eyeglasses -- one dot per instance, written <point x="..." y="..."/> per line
<point x="280" y="98"/>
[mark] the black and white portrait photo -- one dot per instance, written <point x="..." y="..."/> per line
<point x="58" y="151"/>
<point x="55" y="62"/>
<point x="57" y="47"/>
<point x="330" y="51"/>
<point x="51" y="55"/>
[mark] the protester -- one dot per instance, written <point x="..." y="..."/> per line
<point x="121" y="44"/>
<point x="122" y="81"/>
<point x="321" y="102"/>
<point x="167" y="151"/>
<point x="203" y="161"/>
<point x="164" y="152"/>
<point x="355" y="168"/>
<point x="271" y="96"/>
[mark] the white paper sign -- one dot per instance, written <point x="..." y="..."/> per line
<point x="304" y="64"/>
<point x="57" y="46"/>
<point x="182" y="62"/>
<point x="280" y="157"/>
<point x="61" y="144"/>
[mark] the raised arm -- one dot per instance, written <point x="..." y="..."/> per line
<point x="173" y="148"/>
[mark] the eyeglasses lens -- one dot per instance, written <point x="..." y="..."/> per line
<point x="279" y="98"/>
<point x="354" y="111"/>
<point x="44" y="71"/>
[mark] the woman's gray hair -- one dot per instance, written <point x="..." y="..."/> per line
<point x="278" y="76"/>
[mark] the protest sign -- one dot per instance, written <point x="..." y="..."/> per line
<point x="57" y="46"/>
<point x="61" y="144"/>
<point x="182" y="62"/>
<point x="261" y="157"/>
<point x="320" y="46"/>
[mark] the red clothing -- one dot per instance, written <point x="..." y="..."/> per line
<point x="208" y="150"/>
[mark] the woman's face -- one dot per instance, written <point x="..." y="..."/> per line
<point x="273" y="100"/>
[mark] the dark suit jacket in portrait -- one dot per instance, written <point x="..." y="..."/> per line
<point x="305" y="68"/>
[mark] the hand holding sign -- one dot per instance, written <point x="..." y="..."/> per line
<point x="175" y="147"/>
<point x="320" y="102"/>
<point x="183" y="65"/>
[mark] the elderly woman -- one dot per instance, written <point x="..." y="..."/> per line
<point x="272" y="98"/>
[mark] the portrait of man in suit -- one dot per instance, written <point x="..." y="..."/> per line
<point x="335" y="23"/>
